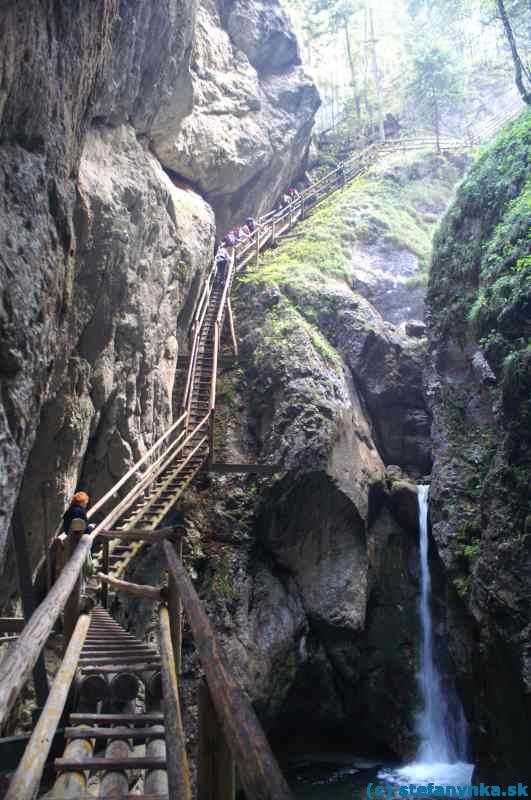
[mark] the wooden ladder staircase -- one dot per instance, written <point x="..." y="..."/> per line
<point x="111" y="719"/>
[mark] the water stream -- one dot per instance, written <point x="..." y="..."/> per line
<point x="440" y="724"/>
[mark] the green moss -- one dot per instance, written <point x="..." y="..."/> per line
<point x="462" y="585"/>
<point x="222" y="580"/>
<point x="285" y="332"/>
<point x="388" y="205"/>
<point x="481" y="270"/>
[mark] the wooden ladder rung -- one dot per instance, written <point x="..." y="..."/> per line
<point x="109" y="764"/>
<point x="113" y="733"/>
<point x="85" y="719"/>
<point x="133" y="666"/>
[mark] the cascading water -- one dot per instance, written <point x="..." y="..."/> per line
<point x="441" y="724"/>
<point x="434" y="724"/>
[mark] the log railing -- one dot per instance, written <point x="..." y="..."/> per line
<point x="257" y="767"/>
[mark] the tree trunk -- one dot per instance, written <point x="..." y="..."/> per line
<point x="437" y="122"/>
<point x="353" y="76"/>
<point x="520" y="72"/>
<point x="376" y="77"/>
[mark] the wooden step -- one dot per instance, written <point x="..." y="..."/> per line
<point x="139" y="734"/>
<point x="112" y="658"/>
<point x="145" y="665"/>
<point x="156" y="717"/>
<point x="109" y="764"/>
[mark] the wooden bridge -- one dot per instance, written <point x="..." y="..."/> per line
<point x="104" y="667"/>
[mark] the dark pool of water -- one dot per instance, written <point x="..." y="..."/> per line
<point x="340" y="778"/>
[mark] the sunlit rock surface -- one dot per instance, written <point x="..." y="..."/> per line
<point x="252" y="113"/>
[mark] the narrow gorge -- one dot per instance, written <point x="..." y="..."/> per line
<point x="383" y="345"/>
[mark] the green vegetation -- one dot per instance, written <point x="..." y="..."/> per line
<point x="286" y="331"/>
<point x="396" y="203"/>
<point x="222" y="581"/>
<point x="483" y="247"/>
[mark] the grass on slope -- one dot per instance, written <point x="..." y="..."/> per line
<point x="395" y="205"/>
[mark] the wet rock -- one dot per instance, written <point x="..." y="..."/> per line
<point x="415" y="328"/>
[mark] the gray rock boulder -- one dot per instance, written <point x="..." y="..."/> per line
<point x="248" y="132"/>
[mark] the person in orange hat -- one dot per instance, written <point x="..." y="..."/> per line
<point x="76" y="510"/>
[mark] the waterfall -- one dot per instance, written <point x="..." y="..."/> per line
<point x="434" y="722"/>
<point x="441" y="724"/>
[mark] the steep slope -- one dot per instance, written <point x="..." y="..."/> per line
<point x="479" y="389"/>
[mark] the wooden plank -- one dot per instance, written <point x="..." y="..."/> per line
<point x="113" y="658"/>
<point x="232" y="328"/>
<point x="25" y="782"/>
<point x="176" y="615"/>
<point x="134" y="762"/>
<point x="29" y="603"/>
<point x="140" y="734"/>
<point x="154" y="593"/>
<point x="11" y="624"/>
<point x="225" y="362"/>
<point x="177" y="760"/>
<point x="257" y="767"/>
<point x="143" y="534"/>
<point x="216" y="774"/>
<point x="107" y="669"/>
<point x="152" y="716"/>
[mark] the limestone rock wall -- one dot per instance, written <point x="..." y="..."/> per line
<point x="101" y="252"/>
<point x="479" y="388"/>
<point x="252" y="114"/>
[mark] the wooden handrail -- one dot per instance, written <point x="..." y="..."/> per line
<point x="25" y="782"/>
<point x="257" y="767"/>
<point x="16" y="666"/>
<point x="134" y="469"/>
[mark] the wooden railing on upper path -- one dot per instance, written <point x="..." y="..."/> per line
<point x="157" y="480"/>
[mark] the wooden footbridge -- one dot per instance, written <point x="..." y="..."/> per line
<point x="123" y="724"/>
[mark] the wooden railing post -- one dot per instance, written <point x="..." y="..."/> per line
<point x="273" y="233"/>
<point x="216" y="773"/>
<point x="105" y="570"/>
<point x="302" y="207"/>
<point x="257" y="768"/>
<point x="257" y="255"/>
<point x="176" y="758"/>
<point x="176" y="612"/>
<point x="73" y="604"/>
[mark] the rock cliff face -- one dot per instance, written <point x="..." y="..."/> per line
<point x="101" y="253"/>
<point x="479" y="389"/>
<point x="311" y="576"/>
